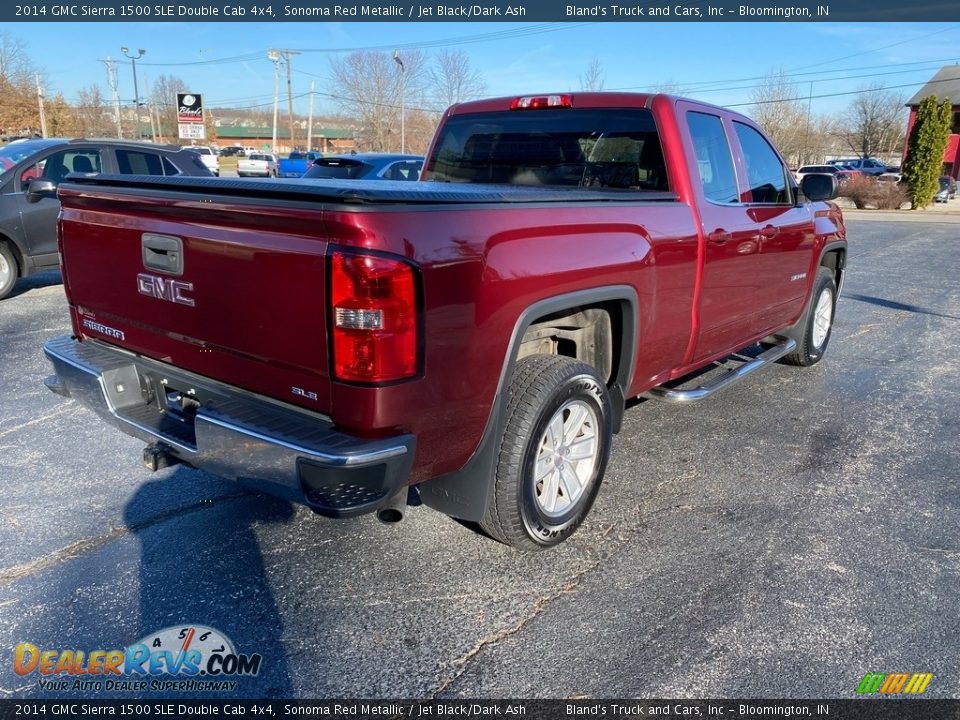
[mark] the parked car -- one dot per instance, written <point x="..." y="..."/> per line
<point x="208" y="156"/>
<point x="842" y="174"/>
<point x="297" y="163"/>
<point x="257" y="165"/>
<point x="868" y="166"/>
<point x="230" y="151"/>
<point x="31" y="170"/>
<point x="948" y="189"/>
<point x="367" y="166"/>
<point x="892" y="177"/>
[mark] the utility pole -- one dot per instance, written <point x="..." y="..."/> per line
<point x="114" y="96"/>
<point x="136" y="99"/>
<point x="153" y="127"/>
<point x="43" y="118"/>
<point x="403" y="89"/>
<point x="274" y="56"/>
<point x="310" y="120"/>
<point x="286" y="58"/>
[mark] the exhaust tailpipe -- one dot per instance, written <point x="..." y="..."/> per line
<point x="395" y="508"/>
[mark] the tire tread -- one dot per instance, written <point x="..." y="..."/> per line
<point x="534" y="379"/>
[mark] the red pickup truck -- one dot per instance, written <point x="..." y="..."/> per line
<point x="467" y="341"/>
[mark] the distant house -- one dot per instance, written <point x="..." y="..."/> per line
<point x="946" y="86"/>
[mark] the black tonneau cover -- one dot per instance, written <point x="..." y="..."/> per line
<point x="369" y="191"/>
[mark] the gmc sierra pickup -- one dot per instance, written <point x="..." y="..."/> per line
<point x="469" y="339"/>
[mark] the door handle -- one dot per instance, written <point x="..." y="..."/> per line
<point x="768" y="231"/>
<point x="162" y="253"/>
<point x="719" y="237"/>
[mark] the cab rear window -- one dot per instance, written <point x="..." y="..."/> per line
<point x="586" y="148"/>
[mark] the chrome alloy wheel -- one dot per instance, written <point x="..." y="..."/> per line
<point x="567" y="458"/>
<point x="5" y="271"/>
<point x="822" y="318"/>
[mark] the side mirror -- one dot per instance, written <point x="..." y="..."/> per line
<point x="819" y="186"/>
<point x="39" y="189"/>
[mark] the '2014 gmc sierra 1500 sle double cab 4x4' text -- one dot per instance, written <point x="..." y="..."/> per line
<point x="470" y="338"/>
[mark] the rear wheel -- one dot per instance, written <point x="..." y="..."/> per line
<point x="9" y="270"/>
<point x="553" y="452"/>
<point x="818" y="323"/>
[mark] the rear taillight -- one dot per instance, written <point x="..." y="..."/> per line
<point x="374" y="302"/>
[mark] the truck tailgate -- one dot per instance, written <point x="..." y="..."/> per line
<point x="224" y="287"/>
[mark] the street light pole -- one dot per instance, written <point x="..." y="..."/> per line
<point x="136" y="92"/>
<point x="403" y="84"/>
<point x="274" y="56"/>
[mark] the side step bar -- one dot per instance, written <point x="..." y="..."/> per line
<point x="726" y="379"/>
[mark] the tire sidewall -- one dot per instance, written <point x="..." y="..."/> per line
<point x="824" y="282"/>
<point x="11" y="260"/>
<point x="546" y="530"/>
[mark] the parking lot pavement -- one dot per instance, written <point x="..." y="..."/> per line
<point x="780" y="540"/>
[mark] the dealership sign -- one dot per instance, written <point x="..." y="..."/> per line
<point x="190" y="116"/>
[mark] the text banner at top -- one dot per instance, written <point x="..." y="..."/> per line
<point x="484" y="11"/>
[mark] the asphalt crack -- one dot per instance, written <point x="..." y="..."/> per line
<point x="541" y="603"/>
<point x="43" y="418"/>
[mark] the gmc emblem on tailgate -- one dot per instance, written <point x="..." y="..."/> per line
<point x="165" y="289"/>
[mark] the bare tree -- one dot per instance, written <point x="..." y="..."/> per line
<point x="420" y="128"/>
<point x="93" y="116"/>
<point x="19" y="111"/>
<point x="668" y="87"/>
<point x="593" y="79"/>
<point x="368" y="87"/>
<point x="875" y="122"/>
<point x="452" y="79"/>
<point x="163" y="100"/>
<point x="784" y="115"/>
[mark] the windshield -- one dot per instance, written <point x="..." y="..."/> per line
<point x="594" y="148"/>
<point x="13" y="153"/>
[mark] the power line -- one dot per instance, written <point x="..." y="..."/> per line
<point x="883" y="47"/>
<point x="841" y="94"/>
<point x="537" y="29"/>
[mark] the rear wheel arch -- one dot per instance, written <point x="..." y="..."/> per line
<point x="465" y="493"/>
<point x="834" y="257"/>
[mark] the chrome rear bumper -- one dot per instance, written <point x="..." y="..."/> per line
<point x="230" y="432"/>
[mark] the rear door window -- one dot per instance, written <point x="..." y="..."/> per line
<point x="714" y="160"/>
<point x="403" y="170"/>
<point x="139" y="162"/>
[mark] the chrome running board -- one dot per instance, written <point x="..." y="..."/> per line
<point x="726" y="379"/>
